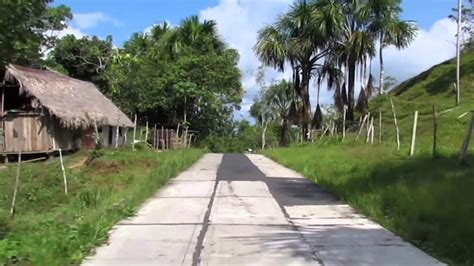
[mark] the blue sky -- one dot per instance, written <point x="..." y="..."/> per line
<point x="239" y="20"/>
<point x="137" y="15"/>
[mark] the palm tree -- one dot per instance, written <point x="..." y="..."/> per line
<point x="386" y="24"/>
<point x="355" y="46"/>
<point x="300" y="38"/>
<point x="285" y="103"/>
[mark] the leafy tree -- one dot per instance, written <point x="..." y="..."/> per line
<point x="468" y="23"/>
<point x="175" y="75"/>
<point x="85" y="58"/>
<point x="279" y="104"/>
<point x="28" y="28"/>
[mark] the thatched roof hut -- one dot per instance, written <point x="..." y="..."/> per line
<point x="76" y="103"/>
<point x="42" y="111"/>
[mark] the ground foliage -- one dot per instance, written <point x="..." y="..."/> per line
<point x="50" y="228"/>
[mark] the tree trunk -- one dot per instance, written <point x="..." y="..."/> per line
<point x="382" y="71"/>
<point x="283" y="133"/>
<point x="351" y="88"/>
<point x="264" y="132"/>
<point x="305" y="117"/>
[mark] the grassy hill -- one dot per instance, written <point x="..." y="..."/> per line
<point x="427" y="201"/>
<point x="433" y="87"/>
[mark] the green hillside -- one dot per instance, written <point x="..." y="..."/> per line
<point x="432" y="87"/>
<point x="425" y="200"/>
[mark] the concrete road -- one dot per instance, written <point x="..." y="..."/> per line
<point x="235" y="209"/>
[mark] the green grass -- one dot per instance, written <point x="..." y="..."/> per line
<point x="428" y="202"/>
<point x="50" y="228"/>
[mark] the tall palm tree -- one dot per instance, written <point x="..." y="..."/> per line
<point x="390" y="30"/>
<point x="355" y="46"/>
<point x="300" y="38"/>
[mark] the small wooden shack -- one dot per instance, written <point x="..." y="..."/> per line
<point x="42" y="111"/>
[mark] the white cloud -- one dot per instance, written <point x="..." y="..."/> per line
<point x="431" y="46"/>
<point x="239" y="21"/>
<point x="71" y="31"/>
<point x="91" y="20"/>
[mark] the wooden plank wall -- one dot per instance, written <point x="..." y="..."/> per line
<point x="28" y="133"/>
<point x="33" y="133"/>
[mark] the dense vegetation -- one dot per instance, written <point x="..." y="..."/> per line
<point x="50" y="228"/>
<point x="29" y="29"/>
<point x="331" y="41"/>
<point x="168" y="75"/>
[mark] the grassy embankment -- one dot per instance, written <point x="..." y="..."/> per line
<point x="51" y="228"/>
<point x="426" y="201"/>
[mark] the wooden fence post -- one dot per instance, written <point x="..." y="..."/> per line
<point x="372" y="132"/>
<point x="380" y="126"/>
<point x="361" y="127"/>
<point x="467" y="140"/>
<point x="146" y="132"/>
<point x="396" y="124"/>
<point x="344" y="124"/>
<point x="435" y="129"/>
<point x="162" y="139"/>
<point x="134" y="132"/>
<point x="63" y="170"/>
<point x="413" y="136"/>
<point x="17" y="184"/>
<point x="155" y="139"/>
<point x="117" y="131"/>
<point x="368" y="121"/>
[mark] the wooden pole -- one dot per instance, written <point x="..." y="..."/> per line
<point x="97" y="136"/>
<point x="361" y="127"/>
<point x="372" y="131"/>
<point x="190" y="140"/>
<point x="396" y="124"/>
<point x="380" y="126"/>
<point x="3" y="101"/>
<point x="117" y="132"/>
<point x="435" y="129"/>
<point x="155" y="137"/>
<point x="368" y="121"/>
<point x="63" y="170"/>
<point x="134" y="132"/>
<point x="413" y="136"/>
<point x="344" y="124"/>
<point x="17" y="184"/>
<point x="167" y="140"/>
<point x="467" y="140"/>
<point x="125" y="138"/>
<point x="146" y="132"/>
<point x="458" y="54"/>
<point x="163" y="137"/>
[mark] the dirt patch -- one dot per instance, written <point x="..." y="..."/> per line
<point x="106" y="167"/>
<point x="78" y="164"/>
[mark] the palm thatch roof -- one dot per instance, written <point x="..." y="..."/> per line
<point x="76" y="103"/>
